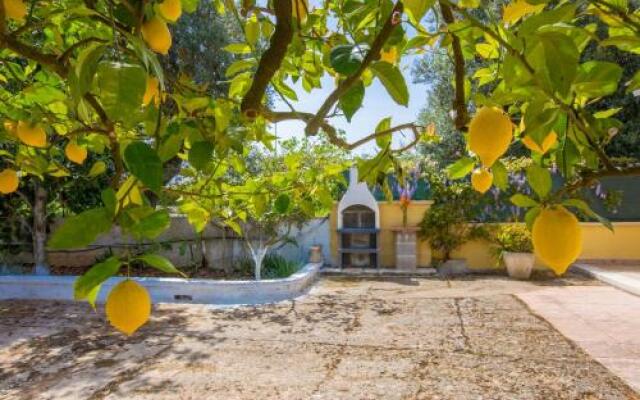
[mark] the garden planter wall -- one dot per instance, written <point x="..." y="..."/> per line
<point x="519" y="265"/>
<point x="169" y="290"/>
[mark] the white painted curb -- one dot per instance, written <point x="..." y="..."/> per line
<point x="168" y="290"/>
<point x="628" y="285"/>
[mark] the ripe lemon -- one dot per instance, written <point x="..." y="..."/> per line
<point x="75" y="153"/>
<point x="31" y="135"/>
<point x="481" y="179"/>
<point x="15" y="9"/>
<point x="490" y="134"/>
<point x="390" y="56"/>
<point x="170" y="10"/>
<point x="299" y="9"/>
<point x="156" y="33"/>
<point x="152" y="92"/>
<point x="128" y="306"/>
<point x="8" y="181"/>
<point x="557" y="238"/>
<point x="547" y="143"/>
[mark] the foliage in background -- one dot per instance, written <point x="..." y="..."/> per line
<point x="446" y="224"/>
<point x="512" y="238"/>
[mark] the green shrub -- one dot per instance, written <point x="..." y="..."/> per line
<point x="276" y="266"/>
<point x="513" y="238"/>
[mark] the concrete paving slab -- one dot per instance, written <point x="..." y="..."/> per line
<point x="604" y="321"/>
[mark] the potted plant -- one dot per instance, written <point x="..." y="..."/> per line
<point x="514" y="249"/>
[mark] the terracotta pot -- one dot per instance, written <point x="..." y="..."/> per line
<point x="519" y="265"/>
<point x="315" y="254"/>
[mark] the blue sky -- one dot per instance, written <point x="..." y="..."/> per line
<point x="377" y="105"/>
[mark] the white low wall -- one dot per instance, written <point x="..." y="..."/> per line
<point x="168" y="290"/>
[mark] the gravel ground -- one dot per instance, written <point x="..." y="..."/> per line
<point x="348" y="339"/>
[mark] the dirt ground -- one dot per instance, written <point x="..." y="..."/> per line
<point x="348" y="339"/>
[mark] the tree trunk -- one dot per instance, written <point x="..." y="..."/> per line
<point x="258" y="253"/>
<point x="40" y="230"/>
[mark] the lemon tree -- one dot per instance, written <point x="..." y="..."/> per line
<point x="88" y="74"/>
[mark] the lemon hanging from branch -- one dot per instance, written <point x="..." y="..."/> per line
<point x="8" y="181"/>
<point x="490" y="134"/>
<point x="15" y="9"/>
<point x="156" y="33"/>
<point x="481" y="180"/>
<point x="31" y="134"/>
<point x="171" y="10"/>
<point x="128" y="306"/>
<point x="75" y="153"/>
<point x="557" y="238"/>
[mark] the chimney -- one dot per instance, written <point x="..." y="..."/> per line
<point x="353" y="176"/>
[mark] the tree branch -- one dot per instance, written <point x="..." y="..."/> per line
<point x="588" y="178"/>
<point x="270" y="61"/>
<point x="459" y="103"/>
<point x="374" y="54"/>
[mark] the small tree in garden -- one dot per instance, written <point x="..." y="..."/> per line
<point x="447" y="223"/>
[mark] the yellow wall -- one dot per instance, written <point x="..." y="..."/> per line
<point x="599" y="242"/>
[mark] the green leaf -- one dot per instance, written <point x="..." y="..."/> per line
<point x="238" y="48"/>
<point x="240" y="66"/>
<point x="252" y="30"/>
<point x="531" y="215"/>
<point x="346" y="59"/>
<point x="201" y="154"/>
<point x="392" y="80"/>
<point x="384" y="140"/>
<point x="461" y="168"/>
<point x="584" y="207"/>
<point x="87" y="286"/>
<point x="151" y="226"/>
<point x="98" y="168"/>
<point x="351" y="101"/>
<point x="121" y="89"/>
<point x="87" y="65"/>
<point x="500" y="175"/>
<point x="523" y="201"/>
<point x="143" y="162"/>
<point x="597" y="79"/>
<point x="555" y="59"/>
<point x="108" y="197"/>
<point x="282" y="203"/>
<point x="416" y="9"/>
<point x="80" y="230"/>
<point x="160" y="263"/>
<point x="539" y="179"/>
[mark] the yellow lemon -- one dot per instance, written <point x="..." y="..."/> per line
<point x="390" y="56"/>
<point x="481" y="180"/>
<point x="75" y="153"/>
<point x="490" y="134"/>
<point x="31" y="134"/>
<point x="152" y="92"/>
<point x="128" y="306"/>
<point x="8" y="181"/>
<point x="557" y="238"/>
<point x="547" y="143"/>
<point x="156" y="33"/>
<point x="171" y="10"/>
<point x="15" y="9"/>
<point x="299" y="9"/>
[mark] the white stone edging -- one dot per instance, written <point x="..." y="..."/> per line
<point x="609" y="277"/>
<point x="168" y="290"/>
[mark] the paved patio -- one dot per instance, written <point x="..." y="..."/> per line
<point x="348" y="339"/>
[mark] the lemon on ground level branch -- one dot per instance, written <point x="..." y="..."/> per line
<point x="15" y="9"/>
<point x="171" y="10"/>
<point x="31" y="134"/>
<point x="75" y="153"/>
